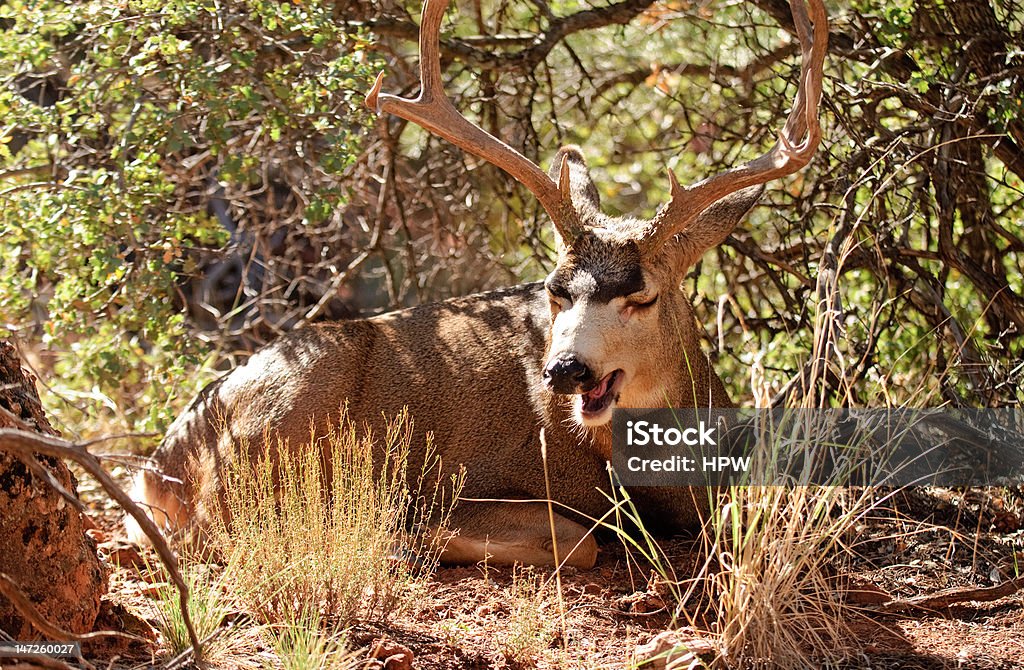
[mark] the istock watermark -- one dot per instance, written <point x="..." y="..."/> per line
<point x="643" y="433"/>
<point x="715" y="447"/>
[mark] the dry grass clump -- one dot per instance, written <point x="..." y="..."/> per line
<point x="766" y="594"/>
<point x="778" y="543"/>
<point x="326" y="530"/>
<point x="774" y="595"/>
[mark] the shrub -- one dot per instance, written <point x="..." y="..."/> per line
<point x="127" y="129"/>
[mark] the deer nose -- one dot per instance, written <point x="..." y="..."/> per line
<point x="566" y="374"/>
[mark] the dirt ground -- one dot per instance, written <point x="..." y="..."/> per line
<point x="924" y="543"/>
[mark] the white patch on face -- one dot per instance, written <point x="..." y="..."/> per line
<point x="582" y="283"/>
<point x="587" y="330"/>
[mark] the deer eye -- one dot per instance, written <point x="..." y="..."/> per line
<point x="644" y="304"/>
<point x="558" y="296"/>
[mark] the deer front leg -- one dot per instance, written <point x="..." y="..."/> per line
<point x="503" y="533"/>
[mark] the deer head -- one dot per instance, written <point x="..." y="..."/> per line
<point x="618" y="316"/>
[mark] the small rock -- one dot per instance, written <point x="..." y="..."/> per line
<point x="676" y="649"/>
<point x="1007" y="522"/>
<point x="641" y="602"/>
<point x="394" y="656"/>
<point x="123" y="554"/>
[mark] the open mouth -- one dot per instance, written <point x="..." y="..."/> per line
<point x="602" y="395"/>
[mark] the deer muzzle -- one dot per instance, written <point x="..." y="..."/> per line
<point x="567" y="374"/>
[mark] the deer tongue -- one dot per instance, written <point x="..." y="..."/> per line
<point x="599" y="397"/>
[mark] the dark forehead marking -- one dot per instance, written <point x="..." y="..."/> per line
<point x="614" y="267"/>
<point x="631" y="281"/>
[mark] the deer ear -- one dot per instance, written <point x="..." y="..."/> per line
<point x="711" y="228"/>
<point x="581" y="187"/>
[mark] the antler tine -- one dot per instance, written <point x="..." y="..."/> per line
<point x="435" y="112"/>
<point x="792" y="150"/>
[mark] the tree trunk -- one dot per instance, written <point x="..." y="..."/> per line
<point x="43" y="545"/>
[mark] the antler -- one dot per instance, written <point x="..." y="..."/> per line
<point x="791" y="152"/>
<point x="435" y="112"/>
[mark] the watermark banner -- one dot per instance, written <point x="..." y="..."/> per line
<point x="833" y="447"/>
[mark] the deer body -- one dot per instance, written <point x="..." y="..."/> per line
<point x="485" y="373"/>
<point x="469" y="370"/>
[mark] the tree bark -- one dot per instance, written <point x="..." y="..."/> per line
<point x="43" y="545"/>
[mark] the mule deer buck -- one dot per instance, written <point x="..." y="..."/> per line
<point x="485" y="373"/>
